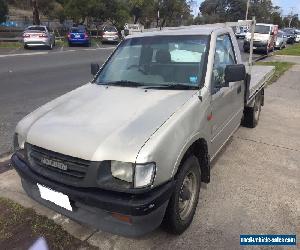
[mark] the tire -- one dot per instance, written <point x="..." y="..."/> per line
<point x="50" y="47"/>
<point x="267" y="51"/>
<point x="25" y="46"/>
<point x="176" y="221"/>
<point x="251" y="114"/>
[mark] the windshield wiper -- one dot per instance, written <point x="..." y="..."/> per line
<point x="172" y="86"/>
<point x="124" y="83"/>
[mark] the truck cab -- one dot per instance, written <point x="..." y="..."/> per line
<point x="130" y="149"/>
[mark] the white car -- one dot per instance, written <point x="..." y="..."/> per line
<point x="297" y="39"/>
<point x="38" y="35"/>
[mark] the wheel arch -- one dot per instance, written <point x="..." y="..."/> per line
<point x="199" y="148"/>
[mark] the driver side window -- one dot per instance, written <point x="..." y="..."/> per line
<point x="224" y="55"/>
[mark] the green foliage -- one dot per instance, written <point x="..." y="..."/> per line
<point x="233" y="10"/>
<point x="280" y="69"/>
<point x="293" y="50"/>
<point x="3" y="10"/>
<point x="222" y="10"/>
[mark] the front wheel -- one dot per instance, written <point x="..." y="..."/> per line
<point x="183" y="202"/>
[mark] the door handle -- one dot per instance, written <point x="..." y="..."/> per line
<point x="239" y="89"/>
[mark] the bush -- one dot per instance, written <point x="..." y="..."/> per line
<point x="3" y="10"/>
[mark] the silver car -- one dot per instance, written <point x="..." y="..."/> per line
<point x="38" y="35"/>
<point x="281" y="40"/>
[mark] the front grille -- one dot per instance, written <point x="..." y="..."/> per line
<point x="76" y="168"/>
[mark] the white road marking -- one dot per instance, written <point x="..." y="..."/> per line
<point x="61" y="51"/>
<point x="106" y="48"/>
<point x="25" y="54"/>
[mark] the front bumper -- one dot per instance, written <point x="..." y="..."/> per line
<point x="96" y="207"/>
<point x="256" y="45"/>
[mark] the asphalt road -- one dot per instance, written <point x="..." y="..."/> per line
<point x="37" y="76"/>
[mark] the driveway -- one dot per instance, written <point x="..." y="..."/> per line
<point x="254" y="185"/>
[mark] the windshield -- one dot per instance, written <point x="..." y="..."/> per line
<point x="157" y="60"/>
<point x="262" y="29"/>
<point x="289" y="31"/>
<point x="76" y="30"/>
<point x="110" y="29"/>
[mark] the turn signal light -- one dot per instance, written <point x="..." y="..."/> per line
<point x="121" y="217"/>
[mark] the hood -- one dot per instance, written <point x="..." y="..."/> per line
<point x="105" y="123"/>
<point x="261" y="37"/>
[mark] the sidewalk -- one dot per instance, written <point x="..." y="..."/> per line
<point x="283" y="58"/>
<point x="254" y="185"/>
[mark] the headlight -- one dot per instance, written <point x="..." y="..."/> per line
<point x="140" y="175"/>
<point x="122" y="170"/>
<point x="144" y="175"/>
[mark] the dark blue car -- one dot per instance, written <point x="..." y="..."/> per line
<point x="78" y="36"/>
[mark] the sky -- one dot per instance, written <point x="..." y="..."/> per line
<point x="286" y="5"/>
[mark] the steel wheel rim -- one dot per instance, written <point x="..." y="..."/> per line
<point x="186" y="205"/>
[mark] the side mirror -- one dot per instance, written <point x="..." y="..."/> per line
<point x="94" y="68"/>
<point x="235" y="73"/>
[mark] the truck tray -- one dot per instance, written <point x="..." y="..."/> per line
<point x="260" y="74"/>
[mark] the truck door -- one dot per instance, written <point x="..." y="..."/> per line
<point x="223" y="102"/>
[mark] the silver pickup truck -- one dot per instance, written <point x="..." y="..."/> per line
<point x="129" y="150"/>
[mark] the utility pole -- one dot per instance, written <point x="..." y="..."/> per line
<point x="247" y="10"/>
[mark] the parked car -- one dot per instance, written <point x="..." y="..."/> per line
<point x="38" y="35"/>
<point x="264" y="38"/>
<point x="109" y="34"/>
<point x="241" y="32"/>
<point x="78" y="36"/>
<point x="297" y="33"/>
<point x="130" y="149"/>
<point x="281" y="40"/>
<point x="291" y="35"/>
<point x="130" y="29"/>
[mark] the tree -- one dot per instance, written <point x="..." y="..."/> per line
<point x="79" y="10"/>
<point x="3" y="10"/>
<point x="223" y="10"/>
<point x="35" y="13"/>
<point x="173" y="12"/>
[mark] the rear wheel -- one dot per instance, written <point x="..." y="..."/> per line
<point x="50" y="47"/>
<point x="251" y="114"/>
<point x="183" y="203"/>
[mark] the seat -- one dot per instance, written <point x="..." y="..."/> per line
<point x="163" y="66"/>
